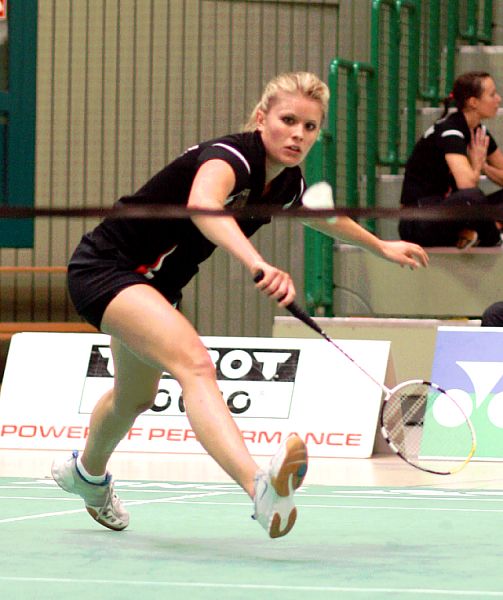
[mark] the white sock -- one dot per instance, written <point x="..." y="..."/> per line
<point x="97" y="479"/>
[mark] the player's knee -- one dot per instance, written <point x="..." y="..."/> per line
<point x="200" y="365"/>
<point x="133" y="402"/>
<point x="145" y="405"/>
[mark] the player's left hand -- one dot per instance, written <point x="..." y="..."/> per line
<point x="406" y="254"/>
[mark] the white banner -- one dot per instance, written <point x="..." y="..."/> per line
<point x="272" y="387"/>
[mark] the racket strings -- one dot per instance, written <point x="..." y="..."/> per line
<point x="411" y="421"/>
<point x="407" y="414"/>
<point x="405" y="420"/>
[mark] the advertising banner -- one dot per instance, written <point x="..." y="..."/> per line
<point x="468" y="364"/>
<point x="271" y="386"/>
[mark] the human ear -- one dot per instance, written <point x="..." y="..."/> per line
<point x="260" y="119"/>
<point x="472" y="102"/>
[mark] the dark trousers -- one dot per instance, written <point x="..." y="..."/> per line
<point x="493" y="315"/>
<point x="446" y="233"/>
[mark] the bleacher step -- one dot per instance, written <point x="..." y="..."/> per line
<point x="455" y="284"/>
<point x="480" y="58"/>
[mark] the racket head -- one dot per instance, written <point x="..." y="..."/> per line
<point x="409" y="425"/>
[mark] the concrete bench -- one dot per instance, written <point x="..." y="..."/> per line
<point x="412" y="340"/>
<point x="456" y="284"/>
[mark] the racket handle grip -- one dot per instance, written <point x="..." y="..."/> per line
<point x="259" y="275"/>
<point x="295" y="310"/>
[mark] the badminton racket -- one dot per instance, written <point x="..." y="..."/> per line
<point x="414" y="415"/>
<point x="410" y="415"/>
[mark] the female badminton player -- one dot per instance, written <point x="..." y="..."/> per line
<point x="126" y="277"/>
<point x="445" y="166"/>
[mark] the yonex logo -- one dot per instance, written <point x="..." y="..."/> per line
<point x="484" y="377"/>
<point x="468" y="364"/>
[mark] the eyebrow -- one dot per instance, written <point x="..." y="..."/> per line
<point x="294" y="114"/>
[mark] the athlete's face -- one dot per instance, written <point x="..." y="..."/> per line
<point x="289" y="128"/>
<point x="488" y="103"/>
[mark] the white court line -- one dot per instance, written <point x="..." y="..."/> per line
<point x="132" y="503"/>
<point x="179" y="499"/>
<point x="335" y="495"/>
<point x="423" y="508"/>
<point x="186" y="499"/>
<point x="133" y="485"/>
<point x="451" y="493"/>
<point x="262" y="587"/>
<point x="118" y="489"/>
<point x="125" y="490"/>
<point x="352" y="507"/>
<point x="51" y="498"/>
<point x="393" y="495"/>
<point x="42" y="515"/>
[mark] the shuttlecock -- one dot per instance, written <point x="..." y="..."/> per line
<point x="319" y="195"/>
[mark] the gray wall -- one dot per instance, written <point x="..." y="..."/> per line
<point x="123" y="87"/>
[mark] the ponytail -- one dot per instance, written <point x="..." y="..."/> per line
<point x="468" y="85"/>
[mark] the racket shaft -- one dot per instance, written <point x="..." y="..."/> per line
<point x="298" y="312"/>
<point x="408" y="421"/>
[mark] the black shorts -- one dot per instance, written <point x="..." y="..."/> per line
<point x="97" y="274"/>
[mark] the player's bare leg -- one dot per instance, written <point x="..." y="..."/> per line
<point x="157" y="334"/>
<point x="150" y="336"/>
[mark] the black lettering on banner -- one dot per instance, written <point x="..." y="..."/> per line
<point x="255" y="364"/>
<point x="232" y="364"/>
<point x="235" y="402"/>
<point x="98" y="361"/>
<point x="247" y="379"/>
<point x="159" y="405"/>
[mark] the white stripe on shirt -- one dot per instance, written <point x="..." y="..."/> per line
<point x="237" y="153"/>
<point x="288" y="204"/>
<point x="449" y="132"/>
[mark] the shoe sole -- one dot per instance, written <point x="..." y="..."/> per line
<point x="468" y="241"/>
<point x="468" y="245"/>
<point x="56" y="475"/>
<point x="289" y="478"/>
<point x="95" y="515"/>
<point x="274" y="529"/>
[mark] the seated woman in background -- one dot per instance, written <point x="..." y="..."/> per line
<point x="445" y="167"/>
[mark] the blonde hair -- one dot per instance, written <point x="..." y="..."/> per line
<point x="302" y="82"/>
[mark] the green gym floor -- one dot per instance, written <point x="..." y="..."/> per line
<point x="196" y="541"/>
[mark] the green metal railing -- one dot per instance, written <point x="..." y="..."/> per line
<point x="398" y="75"/>
<point x="395" y="49"/>
<point x="475" y="25"/>
<point x="404" y="75"/>
<point x="359" y="113"/>
<point x="318" y="273"/>
<point x="347" y="162"/>
<point x="442" y="25"/>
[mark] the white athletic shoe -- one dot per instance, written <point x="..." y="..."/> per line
<point x="274" y="488"/>
<point x="102" y="503"/>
